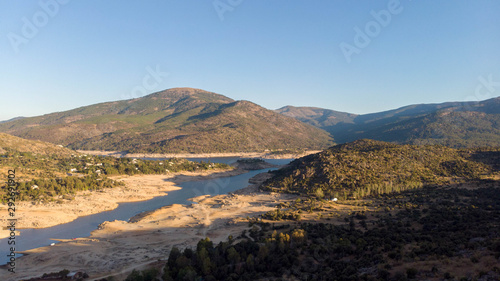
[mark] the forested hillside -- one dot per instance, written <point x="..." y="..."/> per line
<point x="172" y="121"/>
<point x="454" y="124"/>
<point x="368" y="167"/>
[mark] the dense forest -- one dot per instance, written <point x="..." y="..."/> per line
<point x="43" y="177"/>
<point x="367" y="167"/>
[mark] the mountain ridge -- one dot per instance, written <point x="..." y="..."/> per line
<point x="181" y="120"/>
<point x="456" y="124"/>
<point x="175" y="120"/>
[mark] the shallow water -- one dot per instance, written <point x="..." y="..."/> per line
<point x="81" y="227"/>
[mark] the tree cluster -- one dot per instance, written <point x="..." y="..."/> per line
<point x="44" y="177"/>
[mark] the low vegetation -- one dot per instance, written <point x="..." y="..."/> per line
<point x="366" y="167"/>
<point x="429" y="233"/>
<point x="252" y="164"/>
<point x="62" y="275"/>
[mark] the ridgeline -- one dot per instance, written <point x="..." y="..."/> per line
<point x="180" y="120"/>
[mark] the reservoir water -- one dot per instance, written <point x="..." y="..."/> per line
<point x="81" y="227"/>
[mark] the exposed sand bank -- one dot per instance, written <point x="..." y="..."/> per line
<point x="264" y="155"/>
<point x="137" y="188"/>
<point x="118" y="247"/>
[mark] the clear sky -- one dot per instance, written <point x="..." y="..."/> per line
<point x="353" y="56"/>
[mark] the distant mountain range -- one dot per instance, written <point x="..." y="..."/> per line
<point x="196" y="121"/>
<point x="455" y="124"/>
<point x="175" y="120"/>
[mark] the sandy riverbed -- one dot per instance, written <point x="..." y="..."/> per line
<point x="137" y="188"/>
<point x="118" y="247"/>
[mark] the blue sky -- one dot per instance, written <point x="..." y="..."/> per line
<point x="57" y="55"/>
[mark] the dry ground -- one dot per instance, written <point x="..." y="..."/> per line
<point x="118" y="247"/>
<point x="137" y="188"/>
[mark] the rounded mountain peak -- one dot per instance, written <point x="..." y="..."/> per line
<point x="179" y="93"/>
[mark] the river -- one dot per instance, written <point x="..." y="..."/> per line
<point x="39" y="237"/>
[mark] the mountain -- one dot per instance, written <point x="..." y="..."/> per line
<point x="10" y="143"/>
<point x="13" y="119"/>
<point x="319" y="117"/>
<point x="174" y="120"/>
<point x="456" y="124"/>
<point x="365" y="167"/>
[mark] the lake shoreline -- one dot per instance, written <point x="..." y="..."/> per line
<point x="117" y="247"/>
<point x="137" y="188"/>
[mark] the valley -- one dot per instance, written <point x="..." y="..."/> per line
<point x="232" y="140"/>
<point x="364" y="208"/>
